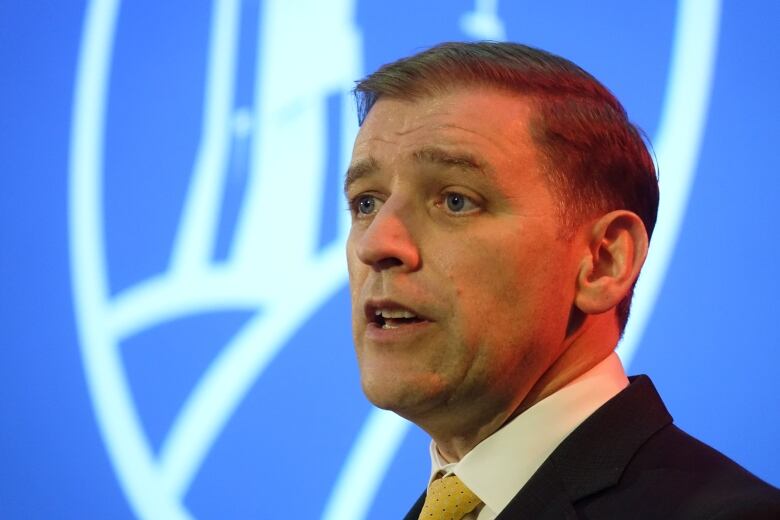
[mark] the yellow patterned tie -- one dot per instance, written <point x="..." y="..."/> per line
<point x="448" y="499"/>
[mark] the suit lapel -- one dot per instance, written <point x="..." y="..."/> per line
<point x="594" y="456"/>
<point x="542" y="498"/>
<point x="414" y="512"/>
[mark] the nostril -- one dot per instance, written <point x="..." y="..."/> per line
<point x="387" y="263"/>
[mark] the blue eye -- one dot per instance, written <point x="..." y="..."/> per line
<point x="455" y="202"/>
<point x="365" y="204"/>
<point x="458" y="203"/>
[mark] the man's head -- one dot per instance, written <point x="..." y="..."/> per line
<point x="595" y="158"/>
<point x="501" y="209"/>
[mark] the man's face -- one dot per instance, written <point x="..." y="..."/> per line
<point x="461" y="287"/>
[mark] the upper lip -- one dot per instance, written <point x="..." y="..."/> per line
<point x="377" y="304"/>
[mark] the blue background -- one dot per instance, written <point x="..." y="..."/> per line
<point x="711" y="345"/>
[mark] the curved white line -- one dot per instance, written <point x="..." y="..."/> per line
<point x="678" y="142"/>
<point x="157" y="490"/>
<point x="359" y="481"/>
<point x="220" y="390"/>
<point x="194" y="242"/>
<point x="113" y="405"/>
<point x="115" y="412"/>
<point x="167" y="297"/>
<point x="271" y="236"/>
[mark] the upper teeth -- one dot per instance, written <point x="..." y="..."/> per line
<point x="394" y="314"/>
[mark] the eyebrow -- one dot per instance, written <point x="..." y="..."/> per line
<point x="429" y="154"/>
<point x="359" y="169"/>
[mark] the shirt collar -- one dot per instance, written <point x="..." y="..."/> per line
<point x="498" y="467"/>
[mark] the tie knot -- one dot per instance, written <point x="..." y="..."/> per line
<point x="448" y="498"/>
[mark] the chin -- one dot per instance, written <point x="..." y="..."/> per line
<point x="387" y="395"/>
<point x="407" y="398"/>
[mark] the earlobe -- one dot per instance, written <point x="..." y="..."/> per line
<point x="616" y="249"/>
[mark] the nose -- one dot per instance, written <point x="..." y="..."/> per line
<point x="388" y="241"/>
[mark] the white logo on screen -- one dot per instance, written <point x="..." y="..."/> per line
<point x="156" y="484"/>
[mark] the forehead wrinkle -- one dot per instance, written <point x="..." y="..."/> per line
<point x="460" y="159"/>
<point x="400" y="132"/>
<point x="428" y="154"/>
<point x="498" y="144"/>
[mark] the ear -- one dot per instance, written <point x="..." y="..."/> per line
<point x="616" y="249"/>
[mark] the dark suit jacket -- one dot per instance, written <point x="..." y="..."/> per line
<point x="628" y="460"/>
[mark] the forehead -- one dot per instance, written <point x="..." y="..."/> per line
<point x="482" y="127"/>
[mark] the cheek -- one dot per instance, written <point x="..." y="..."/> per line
<point x="508" y="295"/>
<point x="356" y="273"/>
<point x="355" y="267"/>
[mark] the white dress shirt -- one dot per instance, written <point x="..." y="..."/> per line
<point x="499" y="466"/>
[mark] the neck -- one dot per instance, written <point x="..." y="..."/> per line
<point x="457" y="433"/>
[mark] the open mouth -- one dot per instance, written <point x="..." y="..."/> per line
<point x="394" y="318"/>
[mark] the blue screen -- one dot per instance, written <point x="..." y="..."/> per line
<point x="174" y="290"/>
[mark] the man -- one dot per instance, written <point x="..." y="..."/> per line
<point x="502" y="206"/>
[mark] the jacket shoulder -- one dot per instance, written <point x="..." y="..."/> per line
<point x="674" y="475"/>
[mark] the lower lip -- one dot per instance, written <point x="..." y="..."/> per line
<point x="378" y="334"/>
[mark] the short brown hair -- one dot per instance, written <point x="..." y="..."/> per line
<point x="597" y="160"/>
